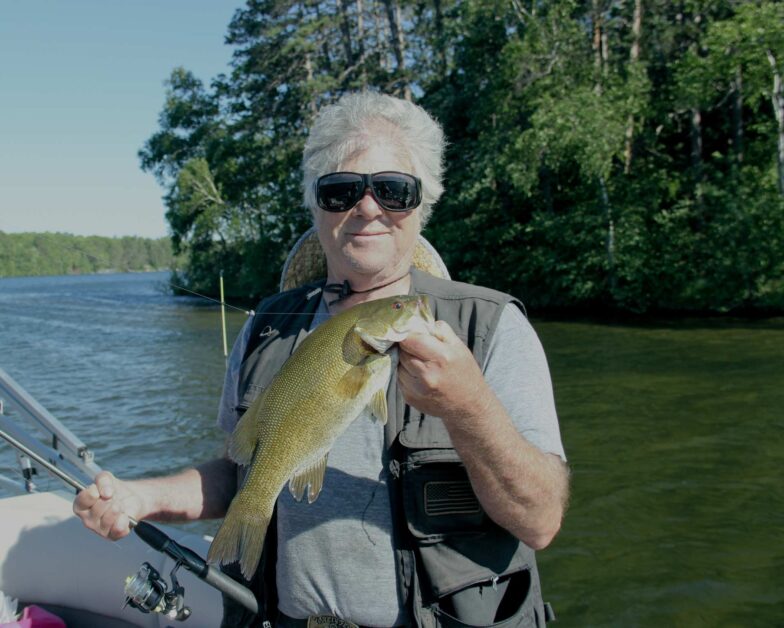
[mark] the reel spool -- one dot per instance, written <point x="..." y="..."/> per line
<point x="148" y="592"/>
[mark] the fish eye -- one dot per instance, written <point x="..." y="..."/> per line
<point x="397" y="305"/>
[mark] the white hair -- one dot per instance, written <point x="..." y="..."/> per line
<point x="357" y="121"/>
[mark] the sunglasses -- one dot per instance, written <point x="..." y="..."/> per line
<point x="394" y="191"/>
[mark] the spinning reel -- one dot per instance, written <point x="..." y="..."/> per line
<point x="148" y="592"/>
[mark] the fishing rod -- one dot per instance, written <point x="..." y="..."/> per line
<point x="147" y="590"/>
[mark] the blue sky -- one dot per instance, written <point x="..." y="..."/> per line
<point x="81" y="86"/>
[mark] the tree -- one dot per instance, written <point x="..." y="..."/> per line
<point x="612" y="153"/>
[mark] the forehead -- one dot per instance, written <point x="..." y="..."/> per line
<point x="375" y="158"/>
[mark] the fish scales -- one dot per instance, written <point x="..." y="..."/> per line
<point x="337" y="371"/>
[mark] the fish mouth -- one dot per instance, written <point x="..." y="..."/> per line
<point x="418" y="318"/>
<point x="420" y="321"/>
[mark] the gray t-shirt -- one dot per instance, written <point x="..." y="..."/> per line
<point x="335" y="555"/>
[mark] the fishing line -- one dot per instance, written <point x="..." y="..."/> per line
<point x="343" y="291"/>
<point x="247" y="312"/>
<point x="364" y="513"/>
<point x="234" y="307"/>
<point x="218" y="301"/>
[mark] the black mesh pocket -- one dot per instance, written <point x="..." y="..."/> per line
<point x="438" y="497"/>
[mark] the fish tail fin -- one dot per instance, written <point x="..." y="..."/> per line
<point x="240" y="537"/>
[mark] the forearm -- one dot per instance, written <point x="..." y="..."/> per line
<point x="521" y="488"/>
<point x="202" y="492"/>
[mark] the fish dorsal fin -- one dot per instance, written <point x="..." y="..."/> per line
<point x="246" y="435"/>
<point x="311" y="477"/>
<point x="378" y="405"/>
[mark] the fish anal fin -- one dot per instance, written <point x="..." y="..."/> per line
<point x="311" y="478"/>
<point x="378" y="405"/>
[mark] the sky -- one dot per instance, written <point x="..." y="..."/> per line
<point x="81" y="87"/>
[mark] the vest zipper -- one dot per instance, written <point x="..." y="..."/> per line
<point x="492" y="581"/>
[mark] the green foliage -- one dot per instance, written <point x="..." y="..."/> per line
<point x="28" y="254"/>
<point x="597" y="158"/>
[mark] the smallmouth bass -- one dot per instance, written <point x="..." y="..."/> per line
<point x="338" y="370"/>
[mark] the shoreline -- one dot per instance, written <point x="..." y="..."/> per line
<point x="109" y="271"/>
<point x="587" y="315"/>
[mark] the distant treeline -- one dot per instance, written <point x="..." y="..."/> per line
<point x="601" y="154"/>
<point x="27" y="254"/>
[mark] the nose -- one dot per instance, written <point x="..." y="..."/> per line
<point x="367" y="207"/>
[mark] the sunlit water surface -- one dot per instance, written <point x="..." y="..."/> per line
<point x="673" y="431"/>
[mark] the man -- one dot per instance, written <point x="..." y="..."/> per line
<point x="432" y="520"/>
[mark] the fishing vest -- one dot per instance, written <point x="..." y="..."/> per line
<point x="457" y="567"/>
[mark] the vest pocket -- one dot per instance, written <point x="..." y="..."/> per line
<point x="422" y="431"/>
<point x="438" y="498"/>
<point x="473" y="572"/>
<point x="505" y="602"/>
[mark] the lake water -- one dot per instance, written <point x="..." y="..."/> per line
<point x="673" y="431"/>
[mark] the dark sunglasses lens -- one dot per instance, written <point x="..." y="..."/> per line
<point x="396" y="191"/>
<point x="339" y="192"/>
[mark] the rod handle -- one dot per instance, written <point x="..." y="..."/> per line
<point x="159" y="540"/>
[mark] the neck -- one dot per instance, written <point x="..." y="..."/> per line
<point x="340" y="298"/>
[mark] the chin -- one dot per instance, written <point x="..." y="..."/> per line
<point x="370" y="260"/>
<point x="366" y="267"/>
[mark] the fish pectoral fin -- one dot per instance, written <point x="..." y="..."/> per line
<point x="371" y="374"/>
<point x="243" y="440"/>
<point x="353" y="382"/>
<point x="378" y="405"/>
<point x="311" y="478"/>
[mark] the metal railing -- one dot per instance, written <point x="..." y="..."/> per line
<point x="65" y="451"/>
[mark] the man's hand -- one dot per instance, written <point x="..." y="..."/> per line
<point x="521" y="488"/>
<point x="105" y="506"/>
<point x="439" y="376"/>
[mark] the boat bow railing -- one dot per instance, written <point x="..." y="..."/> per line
<point x="65" y="450"/>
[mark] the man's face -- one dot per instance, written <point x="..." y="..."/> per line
<point x="367" y="242"/>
